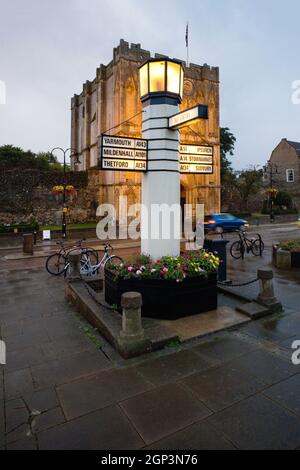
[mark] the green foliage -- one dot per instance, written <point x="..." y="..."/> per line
<point x="290" y="245"/>
<point x="20" y="228"/>
<point x="14" y="157"/>
<point x="283" y="198"/>
<point x="241" y="214"/>
<point x="227" y="140"/>
<point x="277" y="210"/>
<point x="198" y="264"/>
<point x="248" y="182"/>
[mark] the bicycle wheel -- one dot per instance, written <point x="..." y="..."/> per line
<point x="257" y="247"/>
<point x="113" y="261"/>
<point x="237" y="250"/>
<point x="89" y="255"/>
<point x="55" y="264"/>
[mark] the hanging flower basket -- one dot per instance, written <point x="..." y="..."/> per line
<point x="59" y="190"/>
<point x="272" y="192"/>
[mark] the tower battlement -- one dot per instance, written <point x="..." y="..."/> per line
<point x="135" y="53"/>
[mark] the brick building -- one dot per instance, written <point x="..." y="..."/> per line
<point x="113" y="97"/>
<point x="286" y="160"/>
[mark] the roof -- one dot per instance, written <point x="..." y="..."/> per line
<point x="296" y="146"/>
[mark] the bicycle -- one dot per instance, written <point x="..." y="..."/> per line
<point x="56" y="263"/>
<point x="246" y="245"/>
<point x="88" y="269"/>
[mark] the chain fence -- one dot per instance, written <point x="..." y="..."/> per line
<point x="243" y="284"/>
<point x="98" y="302"/>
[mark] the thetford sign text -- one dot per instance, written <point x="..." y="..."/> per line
<point x="123" y="153"/>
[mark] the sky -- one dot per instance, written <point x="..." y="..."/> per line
<point x="49" y="48"/>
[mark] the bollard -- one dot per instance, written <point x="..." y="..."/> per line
<point x="131" y="303"/>
<point x="74" y="266"/>
<point x="28" y="243"/>
<point x="131" y="340"/>
<point x="266" y="288"/>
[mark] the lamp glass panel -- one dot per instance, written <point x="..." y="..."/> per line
<point x="181" y="83"/>
<point x="173" y="83"/>
<point x="144" y="80"/>
<point x="157" y="76"/>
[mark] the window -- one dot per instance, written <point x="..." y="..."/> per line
<point x="290" y="176"/>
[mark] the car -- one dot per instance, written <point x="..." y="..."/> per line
<point x="223" y="223"/>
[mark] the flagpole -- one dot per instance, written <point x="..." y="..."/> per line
<point x="187" y="44"/>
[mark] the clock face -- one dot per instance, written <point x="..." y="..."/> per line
<point x="188" y="88"/>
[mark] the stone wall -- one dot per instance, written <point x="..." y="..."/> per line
<point x="27" y="194"/>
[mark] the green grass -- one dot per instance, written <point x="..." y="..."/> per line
<point x="54" y="228"/>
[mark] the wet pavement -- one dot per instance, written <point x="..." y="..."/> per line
<point x="65" y="388"/>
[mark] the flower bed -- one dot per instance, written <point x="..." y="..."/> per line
<point x="290" y="245"/>
<point x="171" y="287"/>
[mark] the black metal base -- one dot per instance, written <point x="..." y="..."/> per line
<point x="164" y="299"/>
<point x="295" y="259"/>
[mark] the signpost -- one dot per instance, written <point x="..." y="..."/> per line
<point x="123" y="153"/>
<point x="196" y="159"/>
<point x="187" y="117"/>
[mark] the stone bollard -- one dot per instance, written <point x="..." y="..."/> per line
<point x="131" y="340"/>
<point x="266" y="289"/>
<point x="74" y="267"/>
<point x="28" y="243"/>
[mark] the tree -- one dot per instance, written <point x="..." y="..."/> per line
<point x="227" y="140"/>
<point x="248" y="183"/>
<point x="14" y="157"/>
<point x="283" y="198"/>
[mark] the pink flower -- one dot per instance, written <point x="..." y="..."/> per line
<point x="130" y="269"/>
<point x="153" y="270"/>
<point x="165" y="270"/>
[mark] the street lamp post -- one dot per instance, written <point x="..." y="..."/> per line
<point x="272" y="170"/>
<point x="161" y="86"/>
<point x="72" y="154"/>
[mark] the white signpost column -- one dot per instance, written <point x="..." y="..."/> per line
<point x="160" y="217"/>
<point x="161" y="86"/>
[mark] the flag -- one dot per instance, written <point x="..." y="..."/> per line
<point x="187" y="35"/>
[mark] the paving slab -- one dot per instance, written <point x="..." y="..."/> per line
<point x="107" y="429"/>
<point x="69" y="368"/>
<point x="206" y="323"/>
<point x="163" y="411"/>
<point x="18" y="383"/>
<point x="258" y="424"/>
<point x="172" y="367"/>
<point x="26" y="358"/>
<point x="48" y="419"/>
<point x="222" y="386"/>
<point x="253" y="310"/>
<point x="199" y="436"/>
<point x="224" y="348"/>
<point x="101" y="390"/>
<point x="41" y="400"/>
<point x="269" y="368"/>
<point x="287" y="393"/>
<point x="27" y="443"/>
